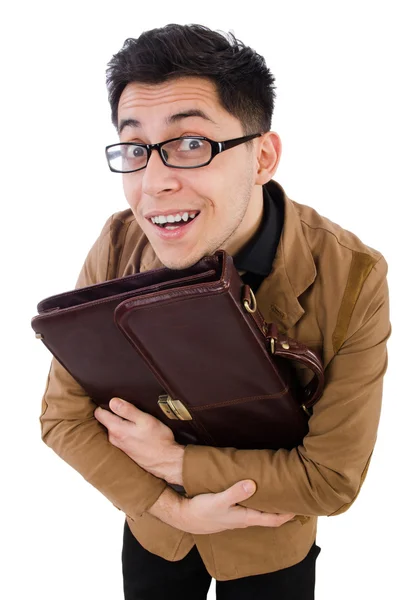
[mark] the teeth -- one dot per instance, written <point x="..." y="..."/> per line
<point x="161" y="219"/>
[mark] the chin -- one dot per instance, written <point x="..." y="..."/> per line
<point x="178" y="261"/>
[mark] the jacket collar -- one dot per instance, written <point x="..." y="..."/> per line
<point x="293" y="269"/>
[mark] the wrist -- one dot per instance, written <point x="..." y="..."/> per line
<point x="174" y="474"/>
<point x="169" y="508"/>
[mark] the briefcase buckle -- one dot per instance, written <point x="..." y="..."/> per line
<point x="174" y="409"/>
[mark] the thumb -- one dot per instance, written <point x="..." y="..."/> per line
<point x="239" y="491"/>
<point x="249" y="487"/>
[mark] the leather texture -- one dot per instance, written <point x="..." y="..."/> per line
<point x="186" y="334"/>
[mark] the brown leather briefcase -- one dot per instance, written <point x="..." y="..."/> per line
<point x="189" y="347"/>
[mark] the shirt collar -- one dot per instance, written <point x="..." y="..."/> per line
<point x="258" y="254"/>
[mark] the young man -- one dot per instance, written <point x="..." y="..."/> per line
<point x="178" y="95"/>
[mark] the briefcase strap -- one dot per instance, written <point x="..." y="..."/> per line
<point x="281" y="345"/>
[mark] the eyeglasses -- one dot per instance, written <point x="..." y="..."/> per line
<point x="187" y="152"/>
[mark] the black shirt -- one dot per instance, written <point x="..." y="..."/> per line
<point x="257" y="256"/>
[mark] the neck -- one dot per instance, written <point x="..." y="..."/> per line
<point x="249" y="225"/>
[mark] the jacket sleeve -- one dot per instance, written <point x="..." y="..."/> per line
<point x="323" y="475"/>
<point x="69" y="427"/>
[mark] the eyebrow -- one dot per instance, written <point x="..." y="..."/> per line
<point x="169" y="120"/>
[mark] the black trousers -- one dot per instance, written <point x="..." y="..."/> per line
<point x="147" y="576"/>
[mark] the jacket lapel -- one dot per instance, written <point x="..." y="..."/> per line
<point x="293" y="270"/>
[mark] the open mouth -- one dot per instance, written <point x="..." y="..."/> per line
<point x="176" y="221"/>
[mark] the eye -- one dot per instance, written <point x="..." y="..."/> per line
<point x="193" y="144"/>
<point x="190" y="144"/>
<point x="135" y="151"/>
<point x="138" y="151"/>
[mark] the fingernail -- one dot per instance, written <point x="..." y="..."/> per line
<point x="116" y="403"/>
<point x="248" y="486"/>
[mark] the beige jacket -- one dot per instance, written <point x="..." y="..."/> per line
<point x="328" y="290"/>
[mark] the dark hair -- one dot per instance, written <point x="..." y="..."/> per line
<point x="244" y="83"/>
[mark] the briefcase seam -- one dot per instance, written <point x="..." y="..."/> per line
<point x="239" y="400"/>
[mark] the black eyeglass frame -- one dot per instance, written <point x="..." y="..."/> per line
<point x="216" y="148"/>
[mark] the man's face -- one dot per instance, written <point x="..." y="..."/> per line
<point x="223" y="194"/>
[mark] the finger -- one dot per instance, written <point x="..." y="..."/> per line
<point x="255" y="517"/>
<point x="126" y="410"/>
<point x="248" y="517"/>
<point x="237" y="492"/>
<point x="107" y="418"/>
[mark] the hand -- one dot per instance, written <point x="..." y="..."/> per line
<point x="145" y="439"/>
<point x="211" y="513"/>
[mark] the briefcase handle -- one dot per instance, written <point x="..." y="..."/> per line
<point x="279" y="344"/>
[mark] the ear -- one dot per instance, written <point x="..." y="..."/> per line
<point x="267" y="157"/>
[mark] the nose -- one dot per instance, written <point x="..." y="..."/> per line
<point x="157" y="177"/>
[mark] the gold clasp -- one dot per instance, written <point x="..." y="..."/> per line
<point x="174" y="409"/>
<point x="247" y="304"/>
<point x="284" y="345"/>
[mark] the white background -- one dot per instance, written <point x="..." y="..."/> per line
<point x="335" y="71"/>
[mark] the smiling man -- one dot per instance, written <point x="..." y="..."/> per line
<point x="187" y="212"/>
<point x="193" y="110"/>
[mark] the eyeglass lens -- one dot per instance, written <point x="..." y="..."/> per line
<point x="184" y="152"/>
